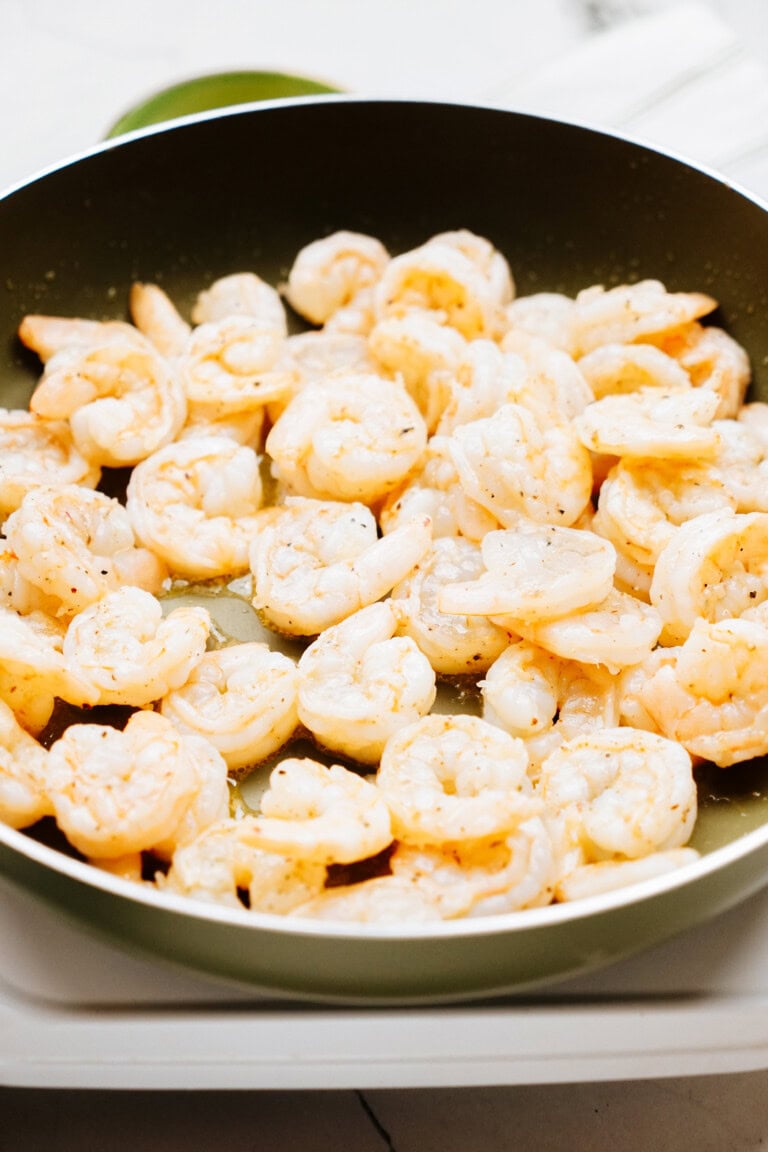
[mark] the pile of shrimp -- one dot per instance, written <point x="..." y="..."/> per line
<point x="558" y="503"/>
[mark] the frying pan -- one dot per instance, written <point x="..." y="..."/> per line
<point x="245" y="189"/>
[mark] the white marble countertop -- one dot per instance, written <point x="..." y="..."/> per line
<point x="67" y="71"/>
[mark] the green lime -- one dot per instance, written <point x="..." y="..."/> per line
<point x="219" y="90"/>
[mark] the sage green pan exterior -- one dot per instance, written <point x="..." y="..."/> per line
<point x="223" y="192"/>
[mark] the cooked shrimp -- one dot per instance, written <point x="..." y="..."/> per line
<point x="209" y="802"/>
<point x="359" y="683"/>
<point x="17" y="592"/>
<point x="242" y="699"/>
<point x="34" y="670"/>
<point x="710" y="694"/>
<point x="455" y="644"/>
<point x="633" y="312"/>
<point x="35" y="452"/>
<point x="121" y="397"/>
<point x="318" y="561"/>
<point x="608" y="875"/>
<point x="714" y="362"/>
<point x="553" y="386"/>
<point x="615" y="369"/>
<point x="232" y="363"/>
<point x="487" y="258"/>
<point x="545" y="700"/>
<point x="215" y="420"/>
<point x="642" y="504"/>
<point x="327" y="274"/>
<point x="222" y="861"/>
<point x="621" y="793"/>
<point x="241" y="294"/>
<point x="75" y="544"/>
<point x="439" y="278"/>
<point x="129" y="653"/>
<point x="652" y="423"/>
<point x="454" y="778"/>
<point x="714" y="567"/>
<point x="310" y="357"/>
<point x="356" y="318"/>
<point x="116" y="792"/>
<point x="514" y="466"/>
<point x="742" y="463"/>
<point x="484" y="379"/>
<point x="154" y="313"/>
<point x="484" y="877"/>
<point x="321" y="815"/>
<point x="195" y="505"/>
<point x="355" y="438"/>
<point x="434" y="491"/>
<point x="618" y="632"/>
<point x="47" y="335"/>
<point x="549" y="316"/>
<point x="535" y="572"/>
<point x="23" y="769"/>
<point x="425" y="354"/>
<point x="382" y="900"/>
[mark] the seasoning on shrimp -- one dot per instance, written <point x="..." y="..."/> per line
<point x="195" y="504"/>
<point x="242" y="698"/>
<point x="359" y="682"/>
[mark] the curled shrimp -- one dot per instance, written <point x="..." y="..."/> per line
<point x="617" y="632"/>
<point x="424" y="354"/>
<point x="508" y="461"/>
<point x="620" y="793"/>
<point x="311" y="357"/>
<point x="454" y="644"/>
<point x="633" y="312"/>
<point x="75" y="544"/>
<point x="553" y="386"/>
<point x="535" y="572"/>
<point x="125" y="649"/>
<point x="241" y="294"/>
<point x="121" y="398"/>
<point x="242" y="699"/>
<point x="484" y="379"/>
<point x="222" y="862"/>
<point x="381" y="900"/>
<point x="359" y="683"/>
<point x="453" y="779"/>
<point x="231" y="363"/>
<point x="17" y="592"/>
<point x="642" y="504"/>
<point x="156" y="316"/>
<point x="483" y="877"/>
<point x="34" y="670"/>
<point x="608" y="875"/>
<point x="651" y="423"/>
<point x="329" y="273"/>
<point x="616" y="369"/>
<point x="714" y="362"/>
<point x="548" y="316"/>
<point x="316" y="562"/>
<point x="195" y="504"/>
<point x="440" y="278"/>
<point x="35" y="452"/>
<point x="48" y="335"/>
<point x="544" y="700"/>
<point x="23" y="770"/>
<point x="355" y="438"/>
<point x="715" y="566"/>
<point x="433" y="490"/>
<point x="710" y="693"/>
<point x="321" y="815"/>
<point x="485" y="256"/>
<point x="741" y="463"/>
<point x="115" y="792"/>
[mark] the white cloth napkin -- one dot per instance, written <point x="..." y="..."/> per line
<point x="680" y="79"/>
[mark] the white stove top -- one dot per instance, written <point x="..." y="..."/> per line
<point x="77" y="1012"/>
